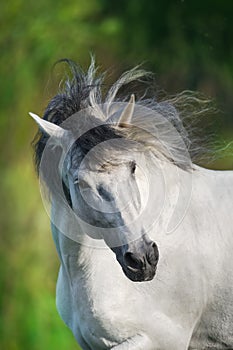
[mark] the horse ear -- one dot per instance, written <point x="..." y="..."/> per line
<point x="58" y="134"/>
<point x="126" y="115"/>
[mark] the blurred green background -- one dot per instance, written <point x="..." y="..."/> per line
<point x="188" y="44"/>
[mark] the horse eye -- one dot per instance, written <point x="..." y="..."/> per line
<point x="76" y="181"/>
<point x="133" y="167"/>
<point x="81" y="184"/>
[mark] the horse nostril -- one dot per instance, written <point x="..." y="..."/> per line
<point x="153" y="245"/>
<point x="132" y="261"/>
<point x="153" y="254"/>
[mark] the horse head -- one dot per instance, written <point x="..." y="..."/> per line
<point x="107" y="187"/>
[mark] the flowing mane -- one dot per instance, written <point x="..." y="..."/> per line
<point x="85" y="90"/>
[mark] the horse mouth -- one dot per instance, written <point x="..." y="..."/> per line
<point x="138" y="275"/>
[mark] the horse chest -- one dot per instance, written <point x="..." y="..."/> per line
<point x="103" y="309"/>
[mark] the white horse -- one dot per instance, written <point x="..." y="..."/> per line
<point x="122" y="184"/>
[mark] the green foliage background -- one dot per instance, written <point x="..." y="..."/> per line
<point x="188" y="44"/>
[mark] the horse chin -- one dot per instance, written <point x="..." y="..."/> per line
<point x="138" y="276"/>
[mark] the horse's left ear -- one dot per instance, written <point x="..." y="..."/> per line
<point x="126" y="115"/>
<point x="58" y="134"/>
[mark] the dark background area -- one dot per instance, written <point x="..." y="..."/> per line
<point x="188" y="46"/>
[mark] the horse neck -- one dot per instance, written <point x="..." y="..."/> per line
<point x="68" y="235"/>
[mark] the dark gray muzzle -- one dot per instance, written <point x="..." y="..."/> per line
<point x="139" y="260"/>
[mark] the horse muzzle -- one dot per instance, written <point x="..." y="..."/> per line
<point x="139" y="261"/>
